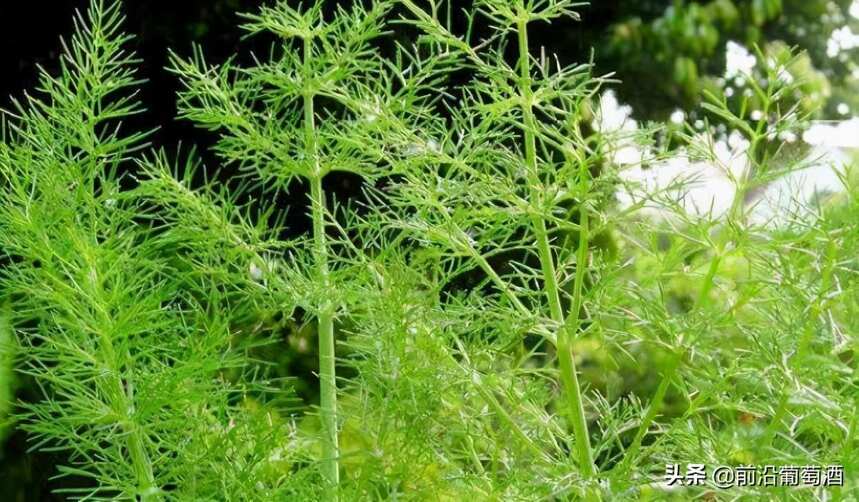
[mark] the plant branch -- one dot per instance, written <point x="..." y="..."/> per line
<point x="569" y="376"/>
<point x="325" y="319"/>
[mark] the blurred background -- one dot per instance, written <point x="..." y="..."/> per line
<point x="664" y="53"/>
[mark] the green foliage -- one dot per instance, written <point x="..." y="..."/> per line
<point x="7" y="378"/>
<point x="476" y="338"/>
<point x="322" y="103"/>
<point x="130" y="350"/>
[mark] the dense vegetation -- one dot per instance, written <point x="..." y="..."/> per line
<point x="486" y="322"/>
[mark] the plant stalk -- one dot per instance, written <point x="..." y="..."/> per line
<point x="122" y="403"/>
<point x="569" y="374"/>
<point x="325" y="317"/>
<point x="565" y="346"/>
<point x="141" y="462"/>
<point x="653" y="410"/>
<point x="327" y="366"/>
<point x="702" y="301"/>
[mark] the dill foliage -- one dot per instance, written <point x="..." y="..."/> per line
<point x="491" y="324"/>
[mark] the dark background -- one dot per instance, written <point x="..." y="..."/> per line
<point x="31" y="31"/>
<point x="640" y="41"/>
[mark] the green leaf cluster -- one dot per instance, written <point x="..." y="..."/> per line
<point x="475" y="338"/>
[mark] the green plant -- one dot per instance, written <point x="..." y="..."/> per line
<point x="550" y="166"/>
<point x="277" y="126"/>
<point x="490" y="324"/>
<point x="129" y="339"/>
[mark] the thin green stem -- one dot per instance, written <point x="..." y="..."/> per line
<point x="509" y="421"/>
<point x="137" y="452"/>
<point x="325" y="319"/>
<point x="499" y="282"/>
<point x="565" y="349"/>
<point x="123" y="404"/>
<point x="709" y="281"/>
<point x="702" y="300"/>
<point x="816" y="308"/>
<point x="327" y="366"/>
<point x="569" y="374"/>
<point x="650" y="415"/>
<point x="775" y="422"/>
<point x="658" y="398"/>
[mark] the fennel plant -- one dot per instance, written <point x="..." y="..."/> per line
<point x="490" y="323"/>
